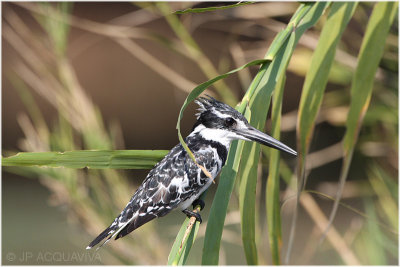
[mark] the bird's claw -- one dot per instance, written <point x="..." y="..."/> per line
<point x="190" y="213"/>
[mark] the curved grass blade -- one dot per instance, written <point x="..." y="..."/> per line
<point x="313" y="90"/>
<point x="207" y="9"/>
<point x="94" y="159"/>
<point x="369" y="57"/>
<point x="272" y="191"/>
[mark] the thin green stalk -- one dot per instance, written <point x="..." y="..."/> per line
<point x="272" y="190"/>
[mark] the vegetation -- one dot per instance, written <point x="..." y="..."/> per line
<point x="345" y="51"/>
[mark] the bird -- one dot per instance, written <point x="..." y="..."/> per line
<point x="176" y="182"/>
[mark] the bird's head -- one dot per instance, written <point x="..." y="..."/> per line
<point x="221" y="123"/>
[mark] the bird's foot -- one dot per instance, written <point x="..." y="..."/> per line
<point x="190" y="213"/>
<point x="198" y="202"/>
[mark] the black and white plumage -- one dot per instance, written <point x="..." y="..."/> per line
<point x="176" y="181"/>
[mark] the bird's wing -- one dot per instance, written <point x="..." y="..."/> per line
<point x="165" y="187"/>
<point x="159" y="193"/>
<point x="172" y="181"/>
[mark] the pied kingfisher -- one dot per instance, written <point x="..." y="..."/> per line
<point x="176" y="181"/>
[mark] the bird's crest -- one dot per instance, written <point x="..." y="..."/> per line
<point x="210" y="104"/>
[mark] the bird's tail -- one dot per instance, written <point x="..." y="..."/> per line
<point x="117" y="226"/>
<point x="109" y="232"/>
<point x="106" y="233"/>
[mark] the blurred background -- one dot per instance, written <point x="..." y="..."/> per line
<point x="114" y="76"/>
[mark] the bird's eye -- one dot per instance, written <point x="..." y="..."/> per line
<point x="229" y="122"/>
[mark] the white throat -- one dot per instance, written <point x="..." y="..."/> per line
<point x="217" y="135"/>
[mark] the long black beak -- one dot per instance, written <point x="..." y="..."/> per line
<point x="253" y="134"/>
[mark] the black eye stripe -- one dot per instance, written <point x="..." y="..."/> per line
<point x="229" y="122"/>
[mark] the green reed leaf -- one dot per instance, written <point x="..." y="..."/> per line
<point x="207" y="9"/>
<point x="93" y="159"/>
